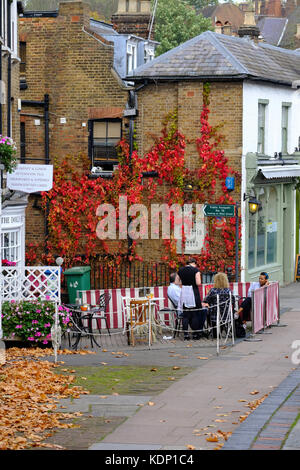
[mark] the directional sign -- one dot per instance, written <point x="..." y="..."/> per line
<point x="218" y="210"/>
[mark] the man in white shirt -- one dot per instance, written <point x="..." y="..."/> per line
<point x="245" y="308"/>
<point x="174" y="291"/>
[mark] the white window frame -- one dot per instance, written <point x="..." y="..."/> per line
<point x="262" y="127"/>
<point x="148" y="53"/>
<point x="13" y="221"/>
<point x="131" y="56"/>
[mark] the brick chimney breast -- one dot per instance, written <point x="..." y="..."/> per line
<point x="133" y="17"/>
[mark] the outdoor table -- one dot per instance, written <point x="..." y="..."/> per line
<point x="155" y="322"/>
<point x="81" y="315"/>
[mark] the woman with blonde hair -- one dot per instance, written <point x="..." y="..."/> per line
<point x="220" y="288"/>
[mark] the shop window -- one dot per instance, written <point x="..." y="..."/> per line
<point x="263" y="230"/>
<point x="261" y="140"/>
<point x="272" y="227"/>
<point x="104" y="138"/>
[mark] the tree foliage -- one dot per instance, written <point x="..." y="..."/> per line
<point x="199" y="4"/>
<point x="176" y="22"/>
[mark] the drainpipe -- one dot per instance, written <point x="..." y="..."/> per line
<point x="46" y="119"/>
<point x="45" y="105"/>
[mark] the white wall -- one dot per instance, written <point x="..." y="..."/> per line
<point x="276" y="94"/>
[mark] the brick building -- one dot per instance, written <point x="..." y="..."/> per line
<point x="12" y="224"/>
<point x="72" y="89"/>
<point x="260" y="116"/>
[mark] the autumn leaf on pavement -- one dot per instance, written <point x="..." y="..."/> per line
<point x="212" y="438"/>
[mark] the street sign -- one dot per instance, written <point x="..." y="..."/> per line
<point x="31" y="178"/>
<point x="218" y="210"/>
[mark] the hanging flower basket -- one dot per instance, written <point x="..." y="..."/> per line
<point x="8" y="151"/>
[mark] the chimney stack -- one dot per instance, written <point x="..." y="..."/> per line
<point x="133" y="17"/>
<point x="249" y="30"/>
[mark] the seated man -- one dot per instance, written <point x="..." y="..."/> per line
<point x="174" y="292"/>
<point x="245" y="308"/>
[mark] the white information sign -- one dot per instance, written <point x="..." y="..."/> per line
<point x="31" y="178"/>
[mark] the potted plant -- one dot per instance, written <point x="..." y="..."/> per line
<point x="8" y="152"/>
<point x="30" y="321"/>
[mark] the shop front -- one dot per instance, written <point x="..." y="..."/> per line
<point x="270" y="233"/>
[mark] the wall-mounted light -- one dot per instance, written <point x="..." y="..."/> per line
<point x="254" y="204"/>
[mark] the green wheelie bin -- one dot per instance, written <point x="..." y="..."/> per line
<point x="78" y="278"/>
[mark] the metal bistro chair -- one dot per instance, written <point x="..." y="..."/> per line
<point x="75" y="327"/>
<point x="139" y="316"/>
<point x="175" y="319"/>
<point x="99" y="313"/>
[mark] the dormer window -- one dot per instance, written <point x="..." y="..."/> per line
<point x="131" y="56"/>
<point x="148" y="53"/>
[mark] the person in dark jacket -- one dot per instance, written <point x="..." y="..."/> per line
<point x="221" y="289"/>
<point x="189" y="278"/>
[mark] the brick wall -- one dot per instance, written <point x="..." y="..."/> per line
<point x="15" y="94"/>
<point x="157" y="100"/>
<point x="74" y="66"/>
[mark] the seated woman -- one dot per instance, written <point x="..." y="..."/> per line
<point x="221" y="288"/>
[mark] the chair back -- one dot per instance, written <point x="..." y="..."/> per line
<point x="103" y="301"/>
<point x="172" y="303"/>
<point x="139" y="311"/>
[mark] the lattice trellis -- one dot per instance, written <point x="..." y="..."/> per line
<point x="30" y="282"/>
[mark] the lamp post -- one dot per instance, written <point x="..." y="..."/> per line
<point x="254" y="204"/>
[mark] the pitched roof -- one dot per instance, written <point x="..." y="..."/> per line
<point x="216" y="56"/>
<point x="272" y="29"/>
<point x="225" y="12"/>
<point x="289" y="39"/>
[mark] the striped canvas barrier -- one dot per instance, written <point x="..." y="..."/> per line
<point x="114" y="310"/>
<point x="272" y="304"/>
<point x="237" y="288"/>
<point x="258" y="309"/>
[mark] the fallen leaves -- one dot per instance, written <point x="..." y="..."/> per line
<point x="120" y="354"/>
<point x="21" y="353"/>
<point x="29" y="393"/>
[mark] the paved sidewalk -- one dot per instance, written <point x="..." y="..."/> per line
<point x="217" y="397"/>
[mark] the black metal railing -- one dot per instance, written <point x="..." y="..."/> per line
<point x="107" y="276"/>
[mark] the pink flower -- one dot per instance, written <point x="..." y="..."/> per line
<point x="38" y="333"/>
<point x="45" y="342"/>
<point x="47" y="325"/>
<point x="34" y="322"/>
<point x="19" y="326"/>
<point x="30" y="338"/>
